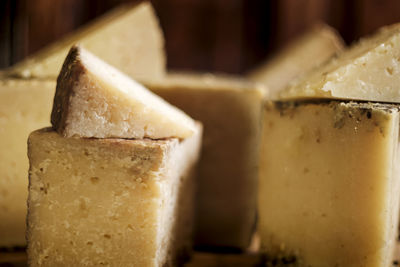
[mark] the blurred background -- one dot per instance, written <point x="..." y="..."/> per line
<point x="230" y="36"/>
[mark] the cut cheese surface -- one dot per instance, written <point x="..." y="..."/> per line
<point x="128" y="37"/>
<point x="93" y="99"/>
<point x="229" y="109"/>
<point x="113" y="202"/>
<point x="25" y="105"/>
<point x="329" y="183"/>
<point x="300" y="56"/>
<point x="368" y="70"/>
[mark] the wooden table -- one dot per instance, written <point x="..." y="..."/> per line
<point x="251" y="258"/>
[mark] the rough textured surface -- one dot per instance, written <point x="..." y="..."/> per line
<point x="230" y="112"/>
<point x="368" y="70"/>
<point x="112" y="202"/>
<point x="300" y="56"/>
<point x="25" y="105"/>
<point x="128" y="37"/>
<point x="329" y="184"/>
<point x="93" y="99"/>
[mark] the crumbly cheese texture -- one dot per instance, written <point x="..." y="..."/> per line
<point x="128" y="37"/>
<point x="329" y="183"/>
<point x="229" y="109"/>
<point x="25" y="105"/>
<point x="113" y="202"/>
<point x="305" y="53"/>
<point x="94" y="99"/>
<point x="368" y="70"/>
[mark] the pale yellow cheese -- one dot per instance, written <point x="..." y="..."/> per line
<point x="229" y="109"/>
<point x="300" y="56"/>
<point x="25" y="105"/>
<point x="94" y="99"/>
<point x="113" y="202"/>
<point x="368" y="70"/>
<point x="329" y="184"/>
<point x="128" y="37"/>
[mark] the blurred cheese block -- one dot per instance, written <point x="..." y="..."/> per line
<point x="329" y="184"/>
<point x="113" y="202"/>
<point x="230" y="112"/>
<point x="128" y="37"/>
<point x="369" y="70"/>
<point x="25" y="105"/>
<point x="306" y="52"/>
<point x="93" y="99"/>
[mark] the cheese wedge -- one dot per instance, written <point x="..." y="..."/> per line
<point x="368" y="70"/>
<point x="113" y="202"/>
<point x="229" y="109"/>
<point x="303" y="54"/>
<point x="329" y="183"/>
<point x="128" y="37"/>
<point x="93" y="99"/>
<point x="25" y="105"/>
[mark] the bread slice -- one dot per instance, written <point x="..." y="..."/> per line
<point x="368" y="70"/>
<point x="25" y="105"/>
<point x="129" y="37"/>
<point x="113" y="202"/>
<point x="93" y="99"/>
<point x="303" y="54"/>
<point x="230" y="110"/>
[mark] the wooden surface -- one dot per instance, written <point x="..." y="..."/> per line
<point x="212" y="35"/>
<point x="15" y="259"/>
<point x="18" y="259"/>
<point x="199" y="259"/>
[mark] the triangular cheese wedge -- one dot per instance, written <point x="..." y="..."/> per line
<point x="369" y="70"/>
<point x="319" y="44"/>
<point x="128" y="37"/>
<point x="94" y="99"/>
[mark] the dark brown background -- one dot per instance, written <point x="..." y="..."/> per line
<point x="213" y="35"/>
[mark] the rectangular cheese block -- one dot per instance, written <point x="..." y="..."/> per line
<point x="114" y="202"/>
<point x="329" y="183"/>
<point x="229" y="109"/>
<point x="301" y="55"/>
<point x="129" y="37"/>
<point x="368" y="70"/>
<point x="25" y="105"/>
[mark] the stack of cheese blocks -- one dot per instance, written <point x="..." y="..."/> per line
<point x="227" y="166"/>
<point x="27" y="92"/>
<point x="130" y="39"/>
<point x="114" y="181"/>
<point x="329" y="169"/>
